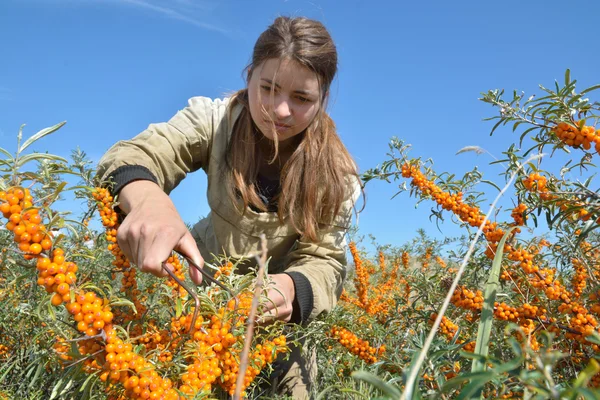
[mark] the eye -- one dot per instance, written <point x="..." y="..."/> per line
<point x="304" y="99"/>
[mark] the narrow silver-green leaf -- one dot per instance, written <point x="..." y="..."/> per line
<point x="378" y="383"/>
<point x="41" y="134"/>
<point x="38" y="156"/>
<point x="595" y="87"/>
<point x="7" y="154"/>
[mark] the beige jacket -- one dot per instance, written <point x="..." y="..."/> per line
<point x="196" y="137"/>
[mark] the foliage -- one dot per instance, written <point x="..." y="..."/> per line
<point x="521" y="285"/>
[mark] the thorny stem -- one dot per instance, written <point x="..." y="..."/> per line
<point x="262" y="261"/>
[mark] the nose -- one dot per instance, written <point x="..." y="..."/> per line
<point x="282" y="108"/>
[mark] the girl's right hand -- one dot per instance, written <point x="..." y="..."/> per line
<point x="153" y="228"/>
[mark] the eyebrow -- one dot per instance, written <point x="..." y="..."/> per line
<point x="299" y="91"/>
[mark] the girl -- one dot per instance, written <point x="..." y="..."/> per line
<point x="275" y="166"/>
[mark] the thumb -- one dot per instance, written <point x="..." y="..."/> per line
<point x="187" y="246"/>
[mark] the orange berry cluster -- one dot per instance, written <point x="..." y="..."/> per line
<point x="467" y="299"/>
<point x="178" y="271"/>
<point x="382" y="263"/>
<point x="426" y="259"/>
<point x="440" y="262"/>
<point x="224" y="270"/>
<point x="517" y="214"/>
<point x="505" y="312"/>
<point x="119" y="365"/>
<point x="405" y="259"/>
<point x="447" y="327"/>
<point x="594" y="299"/>
<point x="453" y="202"/>
<point x="349" y="299"/>
<point x="579" y="278"/>
<point x="215" y="358"/>
<point x="137" y="375"/>
<point x="542" y="279"/>
<point x="537" y="183"/>
<point x="91" y="312"/>
<point x="581" y="321"/>
<point x="572" y="136"/>
<point x="24" y="221"/>
<point x="382" y="299"/>
<point x="361" y="280"/>
<point x="109" y="217"/>
<point x="4" y="351"/>
<point x="356" y="346"/>
<point x="56" y="276"/>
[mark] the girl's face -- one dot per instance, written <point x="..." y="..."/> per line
<point x="284" y="98"/>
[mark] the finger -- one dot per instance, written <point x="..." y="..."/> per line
<point x="123" y="242"/>
<point x="187" y="246"/>
<point x="155" y="249"/>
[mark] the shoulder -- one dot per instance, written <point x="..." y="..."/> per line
<point x="218" y="108"/>
<point x="202" y="103"/>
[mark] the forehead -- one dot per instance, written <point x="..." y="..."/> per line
<point x="289" y="74"/>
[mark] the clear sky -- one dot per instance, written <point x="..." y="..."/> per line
<point x="409" y="69"/>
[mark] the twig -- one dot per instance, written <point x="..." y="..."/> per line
<point x="262" y="261"/>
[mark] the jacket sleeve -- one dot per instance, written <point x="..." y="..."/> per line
<point x="319" y="269"/>
<point x="166" y="152"/>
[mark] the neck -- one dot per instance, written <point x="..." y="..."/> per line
<point x="285" y="150"/>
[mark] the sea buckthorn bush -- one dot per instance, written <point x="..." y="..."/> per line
<point x="522" y="283"/>
<point x="78" y="321"/>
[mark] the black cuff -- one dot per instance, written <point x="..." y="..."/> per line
<point x="129" y="173"/>
<point x="303" y="302"/>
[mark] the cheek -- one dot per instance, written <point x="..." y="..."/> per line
<point x="307" y="115"/>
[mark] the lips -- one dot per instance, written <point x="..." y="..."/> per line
<point x="279" y="125"/>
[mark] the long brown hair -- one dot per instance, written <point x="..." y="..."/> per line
<point x="315" y="179"/>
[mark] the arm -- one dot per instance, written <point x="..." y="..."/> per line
<point x="148" y="167"/>
<point x="316" y="272"/>
<point x="165" y="152"/>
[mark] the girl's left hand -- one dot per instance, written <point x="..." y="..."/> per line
<point x="281" y="294"/>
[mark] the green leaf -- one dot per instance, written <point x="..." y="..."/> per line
<point x="487" y="313"/>
<point x="178" y="307"/>
<point x="7" y="154"/>
<point x="57" y="388"/>
<point x="473" y="389"/>
<point x="41" y="134"/>
<point x="587" y="374"/>
<point x="377" y="382"/>
<point x="38" y="156"/>
<point x="455" y="383"/>
<point x="496" y="126"/>
<point x="38" y="372"/>
<point x="595" y="87"/>
<point x="491" y="183"/>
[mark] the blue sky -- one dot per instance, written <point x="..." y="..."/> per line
<point x="409" y="69"/>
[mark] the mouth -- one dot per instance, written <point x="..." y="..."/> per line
<point x="279" y="124"/>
